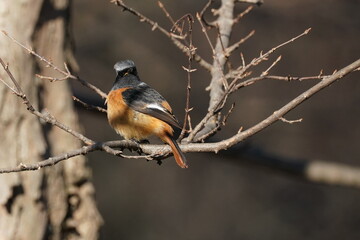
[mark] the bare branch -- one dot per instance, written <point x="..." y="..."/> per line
<point x="203" y="29"/>
<point x="236" y="45"/>
<point x="272" y="77"/>
<point x="7" y="85"/>
<point x="66" y="73"/>
<point x="189" y="70"/>
<point x="218" y="84"/>
<point x="216" y="53"/>
<point x="242" y="14"/>
<point x="209" y="121"/>
<point x="266" y="72"/>
<point x="152" y="23"/>
<point x="291" y="105"/>
<point x="237" y="74"/>
<point x="47" y="117"/>
<point x="228" y="114"/>
<point x="263" y="56"/>
<point x="202" y="13"/>
<point x="217" y="127"/>
<point x="90" y="107"/>
<point x="290" y="121"/>
<point x="167" y="14"/>
<point x="50" y="161"/>
<point x="316" y="171"/>
<point x="100" y="146"/>
<point x="162" y="151"/>
<point x="175" y="24"/>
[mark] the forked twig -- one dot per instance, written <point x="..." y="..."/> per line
<point x="202" y="13"/>
<point x="66" y="73"/>
<point x="156" y="26"/>
<point x="47" y="117"/>
<point x="189" y="70"/>
<point x="253" y="80"/>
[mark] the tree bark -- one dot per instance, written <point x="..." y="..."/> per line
<point x="57" y="202"/>
<point x="224" y="24"/>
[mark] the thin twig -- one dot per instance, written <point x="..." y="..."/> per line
<point x="240" y="73"/>
<point x="156" y="26"/>
<point x="89" y="106"/>
<point x="220" y="40"/>
<point x="218" y="125"/>
<point x="325" y="82"/>
<point x="202" y="13"/>
<point x="203" y="29"/>
<point x="99" y="146"/>
<point x="225" y="118"/>
<point x="218" y="84"/>
<point x="210" y="133"/>
<point x="216" y="108"/>
<point x="241" y="70"/>
<point x="242" y="14"/>
<point x="50" y="161"/>
<point x="47" y="117"/>
<point x="217" y="53"/>
<point x="189" y="70"/>
<point x="7" y="85"/>
<point x="236" y="45"/>
<point x="167" y="14"/>
<point x="66" y="73"/>
<point x="183" y="36"/>
<point x="280" y="78"/>
<point x="290" y="121"/>
<point x="266" y="72"/>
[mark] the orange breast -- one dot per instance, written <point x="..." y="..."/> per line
<point x="132" y="124"/>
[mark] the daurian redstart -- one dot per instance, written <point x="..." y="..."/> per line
<point x="136" y="111"/>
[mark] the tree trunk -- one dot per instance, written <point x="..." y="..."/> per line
<point x="56" y="202"/>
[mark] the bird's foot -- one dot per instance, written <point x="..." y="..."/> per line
<point x="138" y="142"/>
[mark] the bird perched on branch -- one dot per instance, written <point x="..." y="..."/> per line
<point x="137" y="111"/>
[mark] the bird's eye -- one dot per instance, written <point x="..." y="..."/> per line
<point x="127" y="71"/>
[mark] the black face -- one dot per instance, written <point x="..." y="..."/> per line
<point x="131" y="70"/>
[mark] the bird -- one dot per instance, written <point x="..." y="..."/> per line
<point x="136" y="111"/>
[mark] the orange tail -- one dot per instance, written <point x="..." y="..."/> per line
<point x="178" y="154"/>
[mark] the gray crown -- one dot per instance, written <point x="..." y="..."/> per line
<point x="122" y="65"/>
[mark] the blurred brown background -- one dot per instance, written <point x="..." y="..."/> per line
<point x="225" y="196"/>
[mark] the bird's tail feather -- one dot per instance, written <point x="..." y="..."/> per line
<point x="178" y="154"/>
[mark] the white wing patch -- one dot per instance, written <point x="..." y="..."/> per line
<point x="156" y="106"/>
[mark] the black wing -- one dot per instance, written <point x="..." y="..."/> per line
<point x="145" y="99"/>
